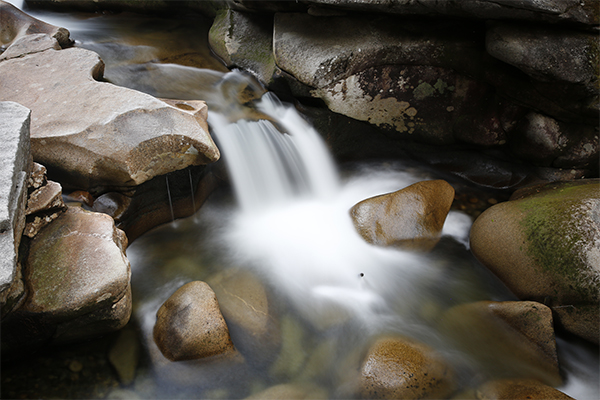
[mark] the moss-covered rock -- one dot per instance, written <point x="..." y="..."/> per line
<point x="544" y="245"/>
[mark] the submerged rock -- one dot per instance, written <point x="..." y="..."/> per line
<point x="189" y="325"/>
<point x="513" y="339"/>
<point x="511" y="389"/>
<point x="544" y="245"/>
<point x="398" y="368"/>
<point x="249" y="312"/>
<point x="411" y="218"/>
<point x="291" y="391"/>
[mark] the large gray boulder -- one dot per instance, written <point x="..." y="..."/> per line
<point x="544" y="245"/>
<point x="15" y="165"/>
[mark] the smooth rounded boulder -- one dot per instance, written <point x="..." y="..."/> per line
<point x="400" y="368"/>
<point x="410" y="218"/>
<point x="544" y="245"/>
<point x="189" y="325"/>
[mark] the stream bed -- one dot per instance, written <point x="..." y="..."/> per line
<point x="330" y="292"/>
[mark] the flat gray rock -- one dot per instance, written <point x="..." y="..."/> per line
<point x="14" y="166"/>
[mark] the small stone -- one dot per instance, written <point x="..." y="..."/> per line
<point x="189" y="325"/>
<point x="46" y="197"/>
<point x="75" y="366"/>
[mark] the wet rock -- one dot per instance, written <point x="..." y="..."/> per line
<point x="400" y="78"/>
<point x="249" y="313"/>
<point x="44" y="204"/>
<point x="549" y="142"/>
<point x="292" y="354"/>
<point x="291" y="391"/>
<point x="411" y="218"/>
<point x="150" y="204"/>
<point x="124" y="355"/>
<point x="14" y="170"/>
<point x="46" y="197"/>
<point x="129" y="137"/>
<point x="245" y="41"/>
<point x="512" y="389"/>
<point x="398" y="368"/>
<point x="571" y="11"/>
<point x="546" y="53"/>
<point x="543" y="244"/>
<point x="189" y="325"/>
<point x="512" y="339"/>
<point x="17" y="25"/>
<point x="78" y="280"/>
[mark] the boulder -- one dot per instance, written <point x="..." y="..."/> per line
<point x="547" y="54"/>
<point x="583" y="13"/>
<point x="411" y="218"/>
<point x="517" y="389"/>
<point x="189" y="325"/>
<point x="95" y="134"/>
<point x="405" y="78"/>
<point x="15" y="25"/>
<point x="399" y="368"/>
<point x="15" y="166"/>
<point x="512" y="339"/>
<point x="245" y="41"/>
<point x="548" y="142"/>
<point x="249" y="313"/>
<point x="543" y="244"/>
<point x="78" y="281"/>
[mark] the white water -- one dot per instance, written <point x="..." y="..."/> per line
<point x="294" y="226"/>
<point x="304" y="241"/>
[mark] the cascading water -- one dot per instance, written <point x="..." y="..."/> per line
<point x="293" y="229"/>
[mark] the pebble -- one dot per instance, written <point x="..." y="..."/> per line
<point x="75" y="366"/>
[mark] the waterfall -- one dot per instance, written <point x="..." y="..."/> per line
<point x="293" y="223"/>
<point x="269" y="167"/>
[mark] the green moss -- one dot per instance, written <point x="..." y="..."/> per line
<point x="423" y="91"/>
<point x="554" y="242"/>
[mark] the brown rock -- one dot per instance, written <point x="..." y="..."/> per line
<point x="412" y="217"/>
<point x="16" y="25"/>
<point x="45" y="198"/>
<point x="76" y="265"/>
<point x="510" y="339"/>
<point x="291" y="391"/>
<point x="519" y="389"/>
<point x="398" y="368"/>
<point x="543" y="244"/>
<point x="189" y="325"/>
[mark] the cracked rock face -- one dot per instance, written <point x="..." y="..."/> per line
<point x="14" y="168"/>
<point x="94" y="133"/>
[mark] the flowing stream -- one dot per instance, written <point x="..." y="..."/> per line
<point x="287" y="222"/>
